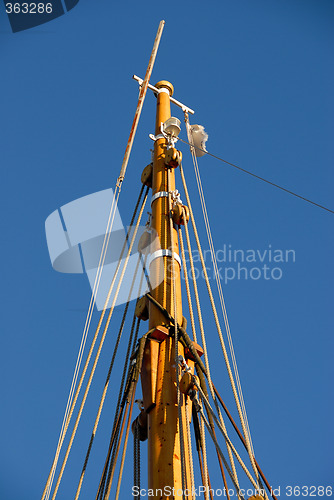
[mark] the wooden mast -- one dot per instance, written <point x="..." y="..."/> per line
<point x="159" y="368"/>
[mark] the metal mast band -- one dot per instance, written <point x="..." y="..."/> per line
<point x="163" y="89"/>
<point x="164" y="253"/>
<point x="159" y="194"/>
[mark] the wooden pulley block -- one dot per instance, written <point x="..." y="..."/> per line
<point x="147" y="175"/>
<point x="141" y="310"/>
<point x="177" y="214"/>
<point x="144" y="243"/>
<point x="141" y="422"/>
<point x="173" y="157"/>
<point x="187" y="383"/>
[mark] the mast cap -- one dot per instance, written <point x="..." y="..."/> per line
<point x="167" y="85"/>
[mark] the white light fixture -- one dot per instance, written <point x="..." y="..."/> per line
<point x="172" y="127"/>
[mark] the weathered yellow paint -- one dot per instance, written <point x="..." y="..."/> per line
<point x="164" y="456"/>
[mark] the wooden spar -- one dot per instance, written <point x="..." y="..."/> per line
<point x="159" y="371"/>
<point x="141" y="98"/>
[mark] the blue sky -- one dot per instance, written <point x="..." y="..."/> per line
<point x="260" y="77"/>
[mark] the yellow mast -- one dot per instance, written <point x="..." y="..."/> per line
<point x="159" y="367"/>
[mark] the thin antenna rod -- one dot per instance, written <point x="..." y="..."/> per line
<point x="141" y="98"/>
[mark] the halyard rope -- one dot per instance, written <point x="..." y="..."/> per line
<point x="200" y="319"/>
<point x="216" y="271"/>
<point x="106" y="385"/>
<point x="176" y="340"/>
<point x="185" y="271"/>
<point x="227" y="362"/>
<point x="111" y="217"/>
<point x="102" y="338"/>
<point x="131" y="394"/>
<point x="68" y="411"/>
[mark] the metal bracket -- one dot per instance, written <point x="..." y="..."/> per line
<point x="164" y="253"/>
<point x="171" y="140"/>
<point x="178" y="103"/>
<point x="156" y="137"/>
<point x="176" y="198"/>
<point x="183" y="364"/>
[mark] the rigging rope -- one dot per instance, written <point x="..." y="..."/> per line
<point x="117" y="437"/>
<point x="113" y="464"/>
<point x="191" y="464"/>
<point x="184" y="267"/>
<point x="209" y="409"/>
<point x="176" y="338"/>
<point x="102" y="338"/>
<point x="136" y="457"/>
<point x="204" y="388"/>
<point x="184" y="264"/>
<point x="125" y="369"/>
<point x="220" y="291"/>
<point x="270" y="489"/>
<point x="261" y="178"/>
<point x="106" y="385"/>
<point x="205" y="463"/>
<point x="125" y="447"/>
<point x="71" y="402"/>
<point x="207" y="425"/>
<point x="227" y="362"/>
<point x="137" y="424"/>
<point x="131" y="394"/>
<point x="111" y="217"/>
<point x="190" y="346"/>
<point x="119" y="406"/>
<point x="218" y="281"/>
<point x="199" y="314"/>
<point x="141" y="98"/>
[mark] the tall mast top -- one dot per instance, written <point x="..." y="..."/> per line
<point x="167" y="85"/>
